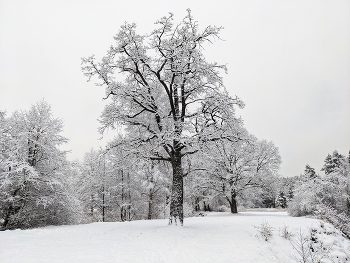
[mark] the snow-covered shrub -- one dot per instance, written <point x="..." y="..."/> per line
<point x="241" y="209"/>
<point x="305" y="199"/>
<point x="301" y="244"/>
<point x="310" y="248"/>
<point x="285" y="233"/>
<point x="340" y="220"/>
<point x="264" y="231"/>
<point x="222" y="208"/>
<point x="322" y="243"/>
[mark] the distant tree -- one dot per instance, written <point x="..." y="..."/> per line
<point x="170" y="96"/>
<point x="287" y="185"/>
<point x="332" y="162"/>
<point x="90" y="184"/>
<point x="148" y="181"/>
<point x="309" y="172"/>
<point x="2" y="115"/>
<point x="234" y="167"/>
<point x="154" y="183"/>
<point x="281" y="200"/>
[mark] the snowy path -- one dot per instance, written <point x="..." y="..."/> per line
<point x="218" y="237"/>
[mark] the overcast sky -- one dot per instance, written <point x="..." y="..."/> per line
<point x="289" y="61"/>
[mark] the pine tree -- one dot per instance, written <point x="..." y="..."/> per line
<point x="281" y="200"/>
<point x="309" y="172"/>
<point x="332" y="162"/>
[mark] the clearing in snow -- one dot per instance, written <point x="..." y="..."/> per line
<point x="217" y="237"/>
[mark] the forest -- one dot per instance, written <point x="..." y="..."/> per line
<point x="181" y="150"/>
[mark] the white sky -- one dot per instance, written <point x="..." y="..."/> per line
<point x="288" y="60"/>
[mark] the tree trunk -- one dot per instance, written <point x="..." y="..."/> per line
<point x="233" y="203"/>
<point x="122" y="210"/>
<point x="103" y="189"/>
<point x="103" y="204"/>
<point x="176" y="205"/>
<point x="149" y="217"/>
<point x="129" y="196"/>
<point x="167" y="199"/>
<point x="197" y="207"/>
<point x="150" y="200"/>
<point x="92" y="206"/>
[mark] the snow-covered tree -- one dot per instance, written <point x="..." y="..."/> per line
<point x="167" y="93"/>
<point x="332" y="162"/>
<point x="31" y="168"/>
<point x="309" y="172"/>
<point x="89" y="186"/>
<point x="234" y="167"/>
<point x="121" y="185"/>
<point x="281" y="200"/>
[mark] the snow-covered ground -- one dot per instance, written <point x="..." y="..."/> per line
<point x="217" y="237"/>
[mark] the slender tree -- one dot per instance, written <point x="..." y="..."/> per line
<point x="170" y="95"/>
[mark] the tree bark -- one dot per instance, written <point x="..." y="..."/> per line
<point x="233" y="205"/>
<point x="150" y="201"/>
<point x="176" y="205"/>
<point x="122" y="210"/>
<point x="103" y="204"/>
<point x="233" y="202"/>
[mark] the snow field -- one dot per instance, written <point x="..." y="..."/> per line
<point x="217" y="237"/>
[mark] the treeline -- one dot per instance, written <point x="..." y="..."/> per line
<point x="40" y="187"/>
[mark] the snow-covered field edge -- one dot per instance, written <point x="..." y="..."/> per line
<point x="216" y="237"/>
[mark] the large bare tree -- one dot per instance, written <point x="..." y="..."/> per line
<point x="162" y="90"/>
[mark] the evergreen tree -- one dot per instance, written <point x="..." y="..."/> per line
<point x="281" y="200"/>
<point x="309" y="172"/>
<point x="332" y="162"/>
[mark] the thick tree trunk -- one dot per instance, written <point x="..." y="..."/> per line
<point x="232" y="201"/>
<point x="176" y="205"/>
<point x="233" y="204"/>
